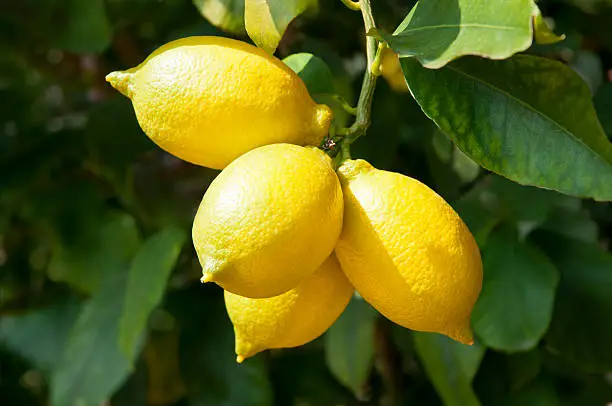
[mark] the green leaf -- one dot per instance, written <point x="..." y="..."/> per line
<point x="576" y="224"/>
<point x="539" y="393"/>
<point x="349" y="345"/>
<point x="93" y="366"/>
<point x="523" y="367"/>
<point x="85" y="263"/>
<point x="87" y="29"/>
<point x="22" y="333"/>
<point x="529" y="119"/>
<point x="579" y="331"/>
<point x="267" y="20"/>
<point x="603" y="106"/>
<point x="543" y="33"/>
<point x="473" y="208"/>
<point x="451" y="366"/>
<point x="510" y="200"/>
<point x="147" y="282"/>
<point x="438" y="31"/>
<point x="225" y="14"/>
<point x="208" y="363"/>
<point x="516" y="302"/>
<point x="314" y="72"/>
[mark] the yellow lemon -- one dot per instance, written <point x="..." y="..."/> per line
<point x="391" y="70"/>
<point x="293" y="318"/>
<point x="269" y="220"/>
<point x="407" y="252"/>
<point x="208" y="100"/>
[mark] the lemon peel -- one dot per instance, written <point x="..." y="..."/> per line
<point x="407" y="252"/>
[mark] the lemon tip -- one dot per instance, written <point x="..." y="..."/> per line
<point x="120" y="81"/>
<point x="207" y="277"/>
<point x="240" y="359"/>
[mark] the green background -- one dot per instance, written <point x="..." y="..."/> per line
<point x="99" y="293"/>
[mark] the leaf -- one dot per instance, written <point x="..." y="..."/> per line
<point x="510" y="200"/>
<point x="450" y="366"/>
<point x="473" y="209"/>
<point x="22" y="333"/>
<point x="523" y="367"/>
<point x="548" y="138"/>
<point x="87" y="29"/>
<point x="349" y="345"/>
<point x="438" y="31"/>
<point x="313" y="71"/>
<point x="93" y="366"/>
<point x="572" y="224"/>
<point x="225" y="14"/>
<point x="543" y="33"/>
<point x="578" y="331"/>
<point x="85" y="263"/>
<point x="267" y="20"/>
<point x="603" y="106"/>
<point x="516" y="302"/>
<point x="146" y="283"/>
<point x="208" y="363"/>
<point x="539" y="393"/>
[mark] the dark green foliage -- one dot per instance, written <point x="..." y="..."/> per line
<point x="99" y="292"/>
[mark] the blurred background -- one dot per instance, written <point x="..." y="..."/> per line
<point x="89" y="205"/>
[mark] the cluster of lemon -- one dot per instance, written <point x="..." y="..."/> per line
<point x="285" y="234"/>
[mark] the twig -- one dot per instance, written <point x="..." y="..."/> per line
<point x="364" y="105"/>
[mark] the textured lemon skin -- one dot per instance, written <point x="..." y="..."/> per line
<point x="269" y="220"/>
<point x="292" y="319"/>
<point x="407" y="252"/>
<point x="392" y="71"/>
<point x="208" y="100"/>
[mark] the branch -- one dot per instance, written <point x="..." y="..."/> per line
<point x="364" y="105"/>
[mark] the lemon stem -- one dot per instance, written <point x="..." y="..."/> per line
<point x="364" y="105"/>
<point x="353" y="5"/>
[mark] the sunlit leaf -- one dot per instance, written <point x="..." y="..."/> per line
<point x="438" y="31"/>
<point x="225" y="14"/>
<point x="267" y="20"/>
<point x="313" y="71"/>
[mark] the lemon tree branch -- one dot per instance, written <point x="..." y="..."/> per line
<point x="364" y="105"/>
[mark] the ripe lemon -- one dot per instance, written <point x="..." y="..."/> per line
<point x="269" y="220"/>
<point x="293" y="318"/>
<point x="391" y="70"/>
<point x="407" y="252"/>
<point x="208" y="100"/>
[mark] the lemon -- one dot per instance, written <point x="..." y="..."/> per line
<point x="269" y="220"/>
<point x="407" y="252"/>
<point x="391" y="70"/>
<point x="208" y="100"/>
<point x="292" y="319"/>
